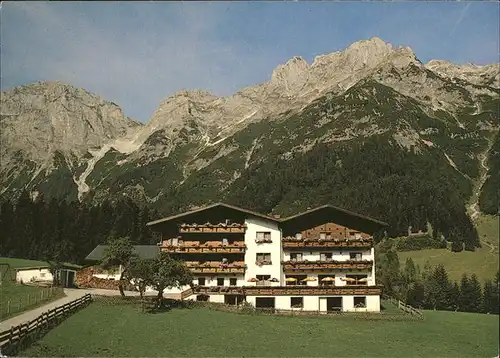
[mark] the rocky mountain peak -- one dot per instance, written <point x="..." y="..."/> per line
<point x="44" y="117"/>
<point x="194" y="95"/>
<point x="476" y="74"/>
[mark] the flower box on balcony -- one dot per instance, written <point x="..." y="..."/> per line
<point x="263" y="262"/>
<point x="263" y="241"/>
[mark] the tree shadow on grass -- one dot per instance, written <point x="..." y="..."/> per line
<point x="168" y="304"/>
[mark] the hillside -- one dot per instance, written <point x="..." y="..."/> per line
<point x="370" y="128"/>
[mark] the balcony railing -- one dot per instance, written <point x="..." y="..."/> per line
<point x="214" y="267"/>
<point x="291" y="290"/>
<point x="292" y="242"/>
<point x="209" y="228"/>
<point x="208" y="248"/>
<point x="304" y="266"/>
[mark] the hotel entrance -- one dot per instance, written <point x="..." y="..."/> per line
<point x="330" y="304"/>
<point x="234" y="299"/>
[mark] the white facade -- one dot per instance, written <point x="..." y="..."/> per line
<point x="274" y="252"/>
<point x="33" y="274"/>
<point x="253" y="248"/>
<point x="43" y="275"/>
<point x="319" y="303"/>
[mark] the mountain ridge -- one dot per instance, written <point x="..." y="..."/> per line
<point x="198" y="147"/>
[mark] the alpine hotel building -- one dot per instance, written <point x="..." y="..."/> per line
<point x="319" y="260"/>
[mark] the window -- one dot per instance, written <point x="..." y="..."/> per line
<point x="263" y="280"/>
<point x="297" y="302"/>
<point x="232" y="281"/>
<point x="42" y="274"/>
<point x="326" y="256"/>
<point x="201" y="281"/>
<point x="359" y="301"/>
<point x="263" y="257"/>
<point x="357" y="256"/>
<point x="295" y="280"/>
<point x="296" y="256"/>
<point x="326" y="280"/>
<point x="263" y="236"/>
<point x="357" y="279"/>
<point x="220" y="281"/>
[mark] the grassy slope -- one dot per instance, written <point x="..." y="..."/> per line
<point x="19" y="263"/>
<point x="16" y="298"/>
<point x="24" y="263"/>
<point x="124" y="331"/>
<point x="484" y="262"/>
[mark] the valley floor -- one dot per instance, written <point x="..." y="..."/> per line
<point x="125" y="331"/>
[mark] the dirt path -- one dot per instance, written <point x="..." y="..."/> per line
<point x="492" y="247"/>
<point x="71" y="295"/>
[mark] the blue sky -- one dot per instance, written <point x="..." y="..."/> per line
<point x="136" y="54"/>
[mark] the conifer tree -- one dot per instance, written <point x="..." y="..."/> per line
<point x="454" y="296"/>
<point x="439" y="290"/>
<point x="7" y="234"/>
<point x="488" y="298"/>
<point x="476" y="294"/>
<point x="495" y="295"/>
<point x="464" y="301"/>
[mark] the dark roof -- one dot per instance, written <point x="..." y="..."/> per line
<point x="232" y="207"/>
<point x="317" y="216"/>
<point x="361" y="220"/>
<point x="143" y="251"/>
<point x="335" y="208"/>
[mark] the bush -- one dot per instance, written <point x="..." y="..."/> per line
<point x="414" y="243"/>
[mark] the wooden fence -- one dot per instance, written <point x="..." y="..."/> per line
<point x="21" y="302"/>
<point x="405" y="307"/>
<point x="18" y="337"/>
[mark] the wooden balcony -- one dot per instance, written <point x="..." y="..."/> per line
<point x="318" y="266"/>
<point x="215" y="267"/>
<point x="228" y="249"/>
<point x="293" y="243"/>
<point x="218" y="270"/>
<point x="209" y="228"/>
<point x="290" y="290"/>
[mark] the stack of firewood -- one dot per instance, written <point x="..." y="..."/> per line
<point x="85" y="279"/>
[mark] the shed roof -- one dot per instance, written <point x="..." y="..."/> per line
<point x="143" y="251"/>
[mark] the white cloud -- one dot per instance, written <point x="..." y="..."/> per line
<point x="460" y="18"/>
